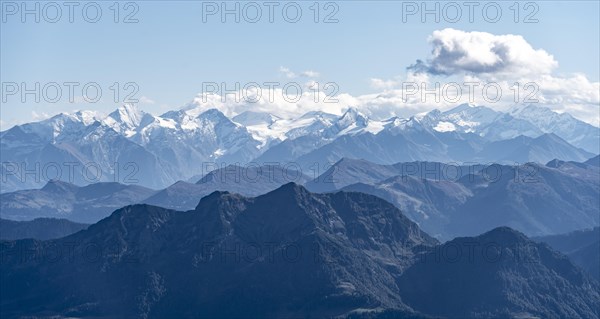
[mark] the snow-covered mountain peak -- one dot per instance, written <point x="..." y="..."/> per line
<point x="251" y="118"/>
<point x="128" y="113"/>
<point x="320" y="115"/>
<point x="191" y="120"/>
<point x="394" y="121"/>
<point x="470" y="109"/>
<point x="353" y="122"/>
<point x="86" y="117"/>
<point x="354" y="114"/>
<point x="213" y="115"/>
<point x="126" y="119"/>
<point x="352" y="118"/>
<point x="469" y="117"/>
<point x="539" y="114"/>
<point x="175" y="142"/>
<point x="66" y="123"/>
<point x="435" y="113"/>
<point x="313" y="122"/>
<point x="81" y="117"/>
<point x="465" y="107"/>
<point x="413" y="123"/>
<point x="574" y="131"/>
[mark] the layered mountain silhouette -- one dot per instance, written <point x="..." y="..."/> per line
<point x="288" y="253"/>
<point x="594" y="161"/>
<point x="91" y="203"/>
<point x="58" y="199"/>
<point x="523" y="149"/>
<point x="446" y="200"/>
<point x="582" y="247"/>
<point x="39" y="228"/>
<point x="499" y="274"/>
<point x="348" y="171"/>
<point x="251" y="180"/>
<point x="451" y="200"/>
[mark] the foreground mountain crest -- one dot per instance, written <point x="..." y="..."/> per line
<point x="499" y="274"/>
<point x="304" y="254"/>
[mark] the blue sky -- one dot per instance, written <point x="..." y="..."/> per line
<point x="171" y="51"/>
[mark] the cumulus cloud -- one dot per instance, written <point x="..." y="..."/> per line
<point x="456" y="51"/>
<point x="483" y="57"/>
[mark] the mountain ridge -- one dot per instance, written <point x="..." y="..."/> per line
<point x="157" y="151"/>
<point x="360" y="254"/>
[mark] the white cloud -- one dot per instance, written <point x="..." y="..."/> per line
<point x="287" y="72"/>
<point x="146" y="100"/>
<point x="456" y="51"/>
<point x="505" y="59"/>
<point x="380" y="84"/>
<point x="292" y="75"/>
<point x="460" y="56"/>
<point x="575" y="95"/>
<point x="39" y="116"/>
<point x="310" y="74"/>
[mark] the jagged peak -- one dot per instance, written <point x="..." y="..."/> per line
<point x="215" y="116"/>
<point x="128" y="112"/>
<point x="352" y="113"/>
<point x="435" y="113"/>
<point x="82" y="116"/>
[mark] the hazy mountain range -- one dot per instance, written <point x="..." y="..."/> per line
<point x="133" y="147"/>
<point x="316" y="216"/>
<point x="288" y="253"/>
<point x="534" y="199"/>
<point x="89" y="204"/>
<point x="86" y="204"/>
<point x="40" y="228"/>
<point x="444" y="200"/>
<point x="582" y="247"/>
